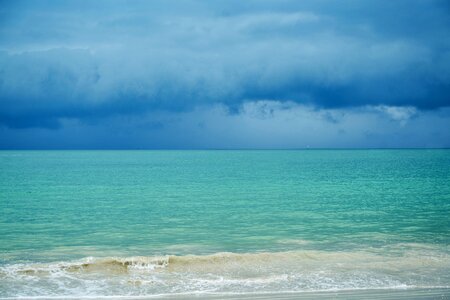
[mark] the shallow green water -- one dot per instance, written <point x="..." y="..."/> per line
<point x="346" y="208"/>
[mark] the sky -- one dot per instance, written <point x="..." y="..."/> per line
<point x="267" y="74"/>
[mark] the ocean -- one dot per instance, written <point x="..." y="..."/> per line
<point x="87" y="224"/>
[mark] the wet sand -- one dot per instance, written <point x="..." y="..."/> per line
<point x="384" y="294"/>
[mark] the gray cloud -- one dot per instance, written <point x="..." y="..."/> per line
<point x="260" y="124"/>
<point x="94" y="61"/>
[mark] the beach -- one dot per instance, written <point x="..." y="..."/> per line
<point x="355" y="294"/>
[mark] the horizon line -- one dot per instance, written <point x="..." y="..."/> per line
<point x="224" y="149"/>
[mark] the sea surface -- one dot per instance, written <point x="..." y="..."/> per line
<point x="154" y="223"/>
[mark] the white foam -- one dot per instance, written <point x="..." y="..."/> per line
<point x="226" y="273"/>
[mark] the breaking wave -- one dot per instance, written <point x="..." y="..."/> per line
<point x="227" y="273"/>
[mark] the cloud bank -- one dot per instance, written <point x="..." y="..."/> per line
<point x="90" y="62"/>
<point x="262" y="124"/>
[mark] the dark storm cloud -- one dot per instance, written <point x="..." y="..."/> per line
<point x="95" y="59"/>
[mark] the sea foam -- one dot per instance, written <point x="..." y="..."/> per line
<point x="227" y="272"/>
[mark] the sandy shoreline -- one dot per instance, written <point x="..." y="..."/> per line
<point x="384" y="294"/>
<point x="437" y="293"/>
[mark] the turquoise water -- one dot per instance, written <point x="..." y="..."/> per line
<point x="116" y="223"/>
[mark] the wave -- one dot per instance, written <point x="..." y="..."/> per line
<point x="227" y="272"/>
<point x="227" y="260"/>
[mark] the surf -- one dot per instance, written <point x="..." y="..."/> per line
<point x="225" y="272"/>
